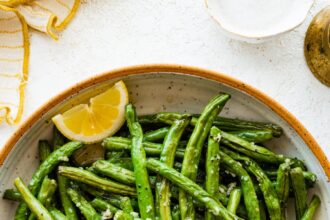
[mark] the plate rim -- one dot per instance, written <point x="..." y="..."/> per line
<point x="171" y="68"/>
<point x="260" y="37"/>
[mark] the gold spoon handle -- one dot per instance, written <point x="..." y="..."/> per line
<point x="317" y="46"/>
<point x="326" y="38"/>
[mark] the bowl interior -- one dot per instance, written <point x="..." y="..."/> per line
<point x="258" y="18"/>
<point x="154" y="92"/>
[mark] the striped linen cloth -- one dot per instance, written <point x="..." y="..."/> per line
<point x="48" y="16"/>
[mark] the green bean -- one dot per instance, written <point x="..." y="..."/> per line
<point x="175" y="195"/>
<point x="45" y="168"/>
<point x="268" y="191"/>
<point x="51" y="162"/>
<point x="22" y="212"/>
<point x="270" y="195"/>
<point x="255" y="136"/>
<point x="63" y="183"/>
<point x="83" y="205"/>
<point x="298" y="163"/>
<point x="44" y="150"/>
<point x="250" y="149"/>
<point x="271" y="173"/>
<point x="151" y="149"/>
<point x="238" y="124"/>
<point x="67" y="204"/>
<point x="168" y="117"/>
<point x="91" y="179"/>
<point x="312" y="207"/>
<point x="283" y="185"/>
<point x="102" y="205"/>
<point x="226" y="124"/>
<point x="145" y="197"/>
<point x="35" y="206"/>
<point x="250" y="198"/>
<point x="222" y="198"/>
<point x="120" y="174"/>
<point x="93" y="191"/>
<point x="125" y="162"/>
<point x="194" y="149"/>
<point x="122" y="143"/>
<point x="167" y="156"/>
<point x="234" y="200"/>
<point x="310" y="178"/>
<point x="57" y="214"/>
<point x="112" y="199"/>
<point x="12" y="194"/>
<point x="300" y="192"/>
<point x="156" y="135"/>
<point x="45" y="195"/>
<point x="115" y="200"/>
<point x="120" y="215"/>
<point x="212" y="167"/>
<point x="115" y="155"/>
<point x="126" y="205"/>
<point x="191" y="188"/>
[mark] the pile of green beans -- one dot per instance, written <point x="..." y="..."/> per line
<point x="169" y="166"/>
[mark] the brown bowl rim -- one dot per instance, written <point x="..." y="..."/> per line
<point x="170" y="68"/>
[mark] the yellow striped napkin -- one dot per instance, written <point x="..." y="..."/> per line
<point x="48" y="16"/>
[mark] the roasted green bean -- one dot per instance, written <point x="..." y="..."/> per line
<point x="268" y="191"/>
<point x="194" y="149"/>
<point x="102" y="205"/>
<point x="300" y="192"/>
<point x="234" y="200"/>
<point x="90" y="178"/>
<point x="191" y="188"/>
<point x="57" y="156"/>
<point x="57" y="214"/>
<point x="255" y="136"/>
<point x="156" y="135"/>
<point x="249" y="194"/>
<point x="151" y="149"/>
<point x="145" y="197"/>
<point x="83" y="205"/>
<point x="212" y="167"/>
<point x="118" y="173"/>
<point x="45" y="195"/>
<point x="167" y="156"/>
<point x="226" y="124"/>
<point x="250" y="149"/>
<point x="311" y="209"/>
<point x="283" y="185"/>
<point x="33" y="203"/>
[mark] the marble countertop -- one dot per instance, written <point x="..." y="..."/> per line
<point x="109" y="34"/>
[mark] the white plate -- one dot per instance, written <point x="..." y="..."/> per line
<point x="258" y="20"/>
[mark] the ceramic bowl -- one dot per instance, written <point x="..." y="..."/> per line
<point x="155" y="88"/>
<point x="255" y="21"/>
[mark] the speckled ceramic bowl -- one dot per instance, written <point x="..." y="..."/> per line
<point x="155" y="88"/>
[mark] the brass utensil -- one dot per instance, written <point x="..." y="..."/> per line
<point x="317" y="46"/>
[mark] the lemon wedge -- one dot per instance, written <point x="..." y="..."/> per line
<point x="102" y="117"/>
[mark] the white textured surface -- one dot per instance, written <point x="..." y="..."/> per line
<point x="110" y="34"/>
